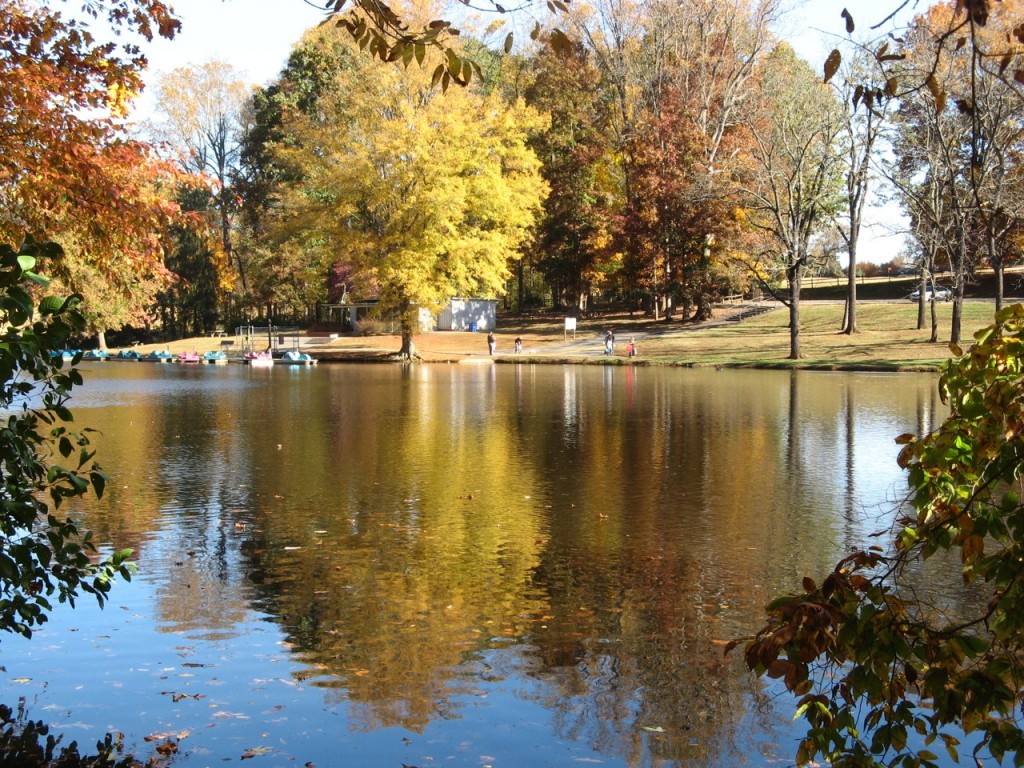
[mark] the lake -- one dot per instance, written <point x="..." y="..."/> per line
<point x="458" y="565"/>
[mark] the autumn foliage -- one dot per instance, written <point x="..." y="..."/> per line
<point x="67" y="166"/>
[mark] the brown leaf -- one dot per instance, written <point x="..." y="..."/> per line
<point x="849" y="21"/>
<point x="832" y="64"/>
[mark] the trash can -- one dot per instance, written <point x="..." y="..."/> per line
<point x="472" y="327"/>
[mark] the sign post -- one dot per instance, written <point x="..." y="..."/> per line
<point x="570" y="325"/>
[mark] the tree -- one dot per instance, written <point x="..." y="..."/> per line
<point x="63" y="147"/>
<point x="573" y="236"/>
<point x="428" y="197"/>
<point x="67" y="165"/>
<point x="41" y="554"/>
<point x="202" y="111"/>
<point x="795" y="185"/>
<point x="865" y="111"/>
<point x="265" y="173"/>
<point x="974" y="119"/>
<point x="870" y="659"/>
<point x="993" y="104"/>
<point x="189" y="302"/>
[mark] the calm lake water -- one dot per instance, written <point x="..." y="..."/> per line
<point x="363" y="565"/>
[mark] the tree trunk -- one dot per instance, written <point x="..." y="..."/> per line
<point x="958" y="302"/>
<point x="997" y="268"/>
<point x="794" y="313"/>
<point x="704" y="310"/>
<point x="922" y="288"/>
<point x="101" y="339"/>
<point x="225" y="238"/>
<point x="408" y="326"/>
<point x="408" y="350"/>
<point x="995" y="262"/>
<point x="850" y="320"/>
<point x="935" y="324"/>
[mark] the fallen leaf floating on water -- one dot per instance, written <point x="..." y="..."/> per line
<point x="176" y="697"/>
<point x="167" y="749"/>
<point x="250" y="753"/>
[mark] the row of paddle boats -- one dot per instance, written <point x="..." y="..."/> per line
<point x="216" y="357"/>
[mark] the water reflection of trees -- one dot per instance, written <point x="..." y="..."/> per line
<point x="598" y="533"/>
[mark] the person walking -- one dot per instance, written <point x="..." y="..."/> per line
<point x="631" y="349"/>
<point x="490" y="342"/>
<point x="519" y="345"/>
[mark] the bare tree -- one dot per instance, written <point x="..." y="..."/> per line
<point x="199" y="112"/>
<point x="866" y="99"/>
<point x="795" y="186"/>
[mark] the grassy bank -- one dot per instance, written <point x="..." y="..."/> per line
<point x="888" y="340"/>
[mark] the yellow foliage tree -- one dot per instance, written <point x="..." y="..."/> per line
<point x="427" y="195"/>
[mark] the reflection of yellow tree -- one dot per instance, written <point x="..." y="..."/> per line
<point x="601" y="532"/>
<point x="394" y="595"/>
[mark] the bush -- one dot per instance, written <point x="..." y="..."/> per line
<point x="375" y="327"/>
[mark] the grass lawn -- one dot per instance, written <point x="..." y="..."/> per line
<point x="888" y="339"/>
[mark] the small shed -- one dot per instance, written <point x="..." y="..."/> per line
<point x="468" y="315"/>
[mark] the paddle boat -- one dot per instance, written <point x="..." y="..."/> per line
<point x="188" y="357"/>
<point x="259" y="359"/>
<point x="159" y="356"/>
<point x="215" y="357"/>
<point x="64" y="354"/>
<point x="96" y="354"/>
<point x="294" y="357"/>
<point x="128" y="354"/>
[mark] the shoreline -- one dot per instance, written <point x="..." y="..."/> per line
<point x="887" y="341"/>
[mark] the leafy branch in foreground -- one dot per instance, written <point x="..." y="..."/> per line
<point x="873" y="662"/>
<point x="42" y="462"/>
<point x="389" y="36"/>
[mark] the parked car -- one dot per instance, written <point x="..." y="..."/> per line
<point x="941" y="294"/>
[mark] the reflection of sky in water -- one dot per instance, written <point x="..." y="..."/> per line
<point x="114" y="383"/>
<point x="527" y="565"/>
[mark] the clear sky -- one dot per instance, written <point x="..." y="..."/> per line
<point x="256" y="36"/>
